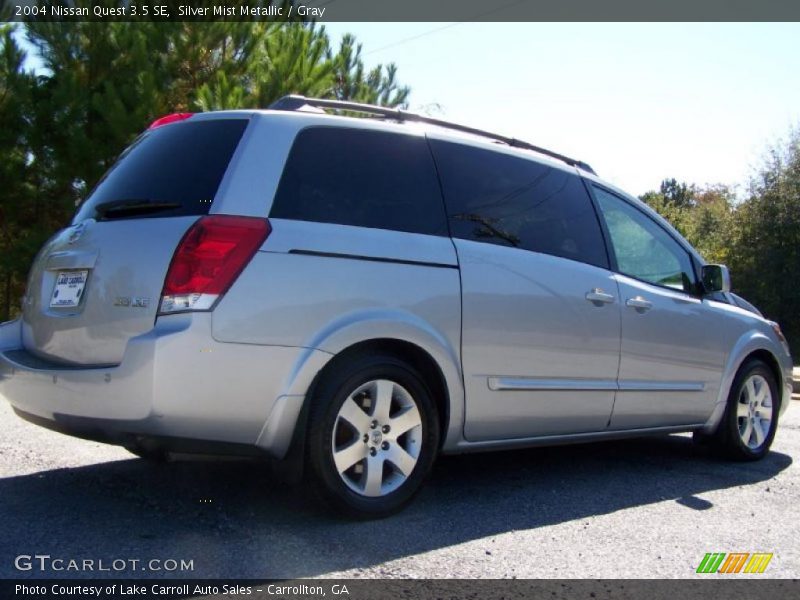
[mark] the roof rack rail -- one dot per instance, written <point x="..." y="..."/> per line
<point x="296" y="102"/>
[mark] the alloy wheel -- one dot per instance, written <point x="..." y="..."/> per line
<point x="754" y="411"/>
<point x="377" y="438"/>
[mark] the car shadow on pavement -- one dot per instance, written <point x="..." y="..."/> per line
<point x="233" y="520"/>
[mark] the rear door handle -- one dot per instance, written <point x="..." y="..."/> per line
<point x="639" y="303"/>
<point x="598" y="297"/>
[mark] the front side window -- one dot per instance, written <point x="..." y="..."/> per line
<point x="644" y="250"/>
<point x="362" y="178"/>
<point x="513" y="201"/>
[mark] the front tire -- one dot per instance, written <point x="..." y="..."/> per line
<point x="373" y="436"/>
<point x="751" y="416"/>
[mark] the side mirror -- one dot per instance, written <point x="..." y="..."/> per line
<point x="716" y="278"/>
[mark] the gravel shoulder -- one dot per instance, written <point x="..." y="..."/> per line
<point x="646" y="508"/>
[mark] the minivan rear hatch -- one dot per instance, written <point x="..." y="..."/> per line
<point x="97" y="283"/>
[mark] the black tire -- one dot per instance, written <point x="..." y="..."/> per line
<point x="329" y="396"/>
<point x="727" y="440"/>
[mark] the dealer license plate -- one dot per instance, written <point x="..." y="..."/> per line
<point x="69" y="289"/>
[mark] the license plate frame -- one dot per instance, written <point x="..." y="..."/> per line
<point x="69" y="288"/>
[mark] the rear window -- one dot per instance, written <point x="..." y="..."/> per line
<point x="362" y="178"/>
<point x="170" y="171"/>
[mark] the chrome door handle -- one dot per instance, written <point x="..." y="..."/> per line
<point x="598" y="297"/>
<point x="639" y="303"/>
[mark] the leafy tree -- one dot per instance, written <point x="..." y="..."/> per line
<point x="678" y="194"/>
<point x="709" y="229"/>
<point x="701" y="215"/>
<point x="765" y="244"/>
<point x="677" y="215"/>
<point x="674" y="201"/>
<point x="758" y="238"/>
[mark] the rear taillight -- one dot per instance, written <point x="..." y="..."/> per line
<point x="167" y="119"/>
<point x="208" y="260"/>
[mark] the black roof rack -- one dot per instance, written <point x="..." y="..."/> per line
<point x="295" y="102"/>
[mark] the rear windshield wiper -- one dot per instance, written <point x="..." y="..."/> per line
<point x="130" y="207"/>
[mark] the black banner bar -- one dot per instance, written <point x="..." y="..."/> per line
<point x="403" y="10"/>
<point x="403" y="589"/>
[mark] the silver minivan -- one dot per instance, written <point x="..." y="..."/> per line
<point x="354" y="296"/>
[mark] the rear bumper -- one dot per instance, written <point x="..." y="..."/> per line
<point x="175" y="384"/>
<point x="122" y="434"/>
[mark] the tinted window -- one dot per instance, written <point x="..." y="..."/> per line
<point x="643" y="249"/>
<point x="173" y="170"/>
<point x="362" y="178"/>
<point x="502" y="199"/>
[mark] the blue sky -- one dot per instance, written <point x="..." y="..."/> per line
<point x="639" y="102"/>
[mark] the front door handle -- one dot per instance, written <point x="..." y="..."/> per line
<point x="639" y="303"/>
<point x="598" y="297"/>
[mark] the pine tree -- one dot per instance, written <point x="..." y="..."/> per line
<point x="353" y="82"/>
<point x="19" y="233"/>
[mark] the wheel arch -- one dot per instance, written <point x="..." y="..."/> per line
<point x="754" y="345"/>
<point x="414" y="355"/>
<point x="406" y="336"/>
<point x="771" y="361"/>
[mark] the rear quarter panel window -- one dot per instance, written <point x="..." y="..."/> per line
<point x="362" y="178"/>
<point x="182" y="163"/>
<point x="500" y="199"/>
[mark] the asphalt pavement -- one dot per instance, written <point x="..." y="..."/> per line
<point x="647" y="508"/>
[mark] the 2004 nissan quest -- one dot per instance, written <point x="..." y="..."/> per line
<point x="358" y="295"/>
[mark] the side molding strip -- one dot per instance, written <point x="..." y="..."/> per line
<point x="661" y="386"/>
<point x="499" y="384"/>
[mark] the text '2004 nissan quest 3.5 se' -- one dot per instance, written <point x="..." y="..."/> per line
<point x="356" y="296"/>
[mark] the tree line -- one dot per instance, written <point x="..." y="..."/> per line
<point x="757" y="237"/>
<point x="100" y="84"/>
